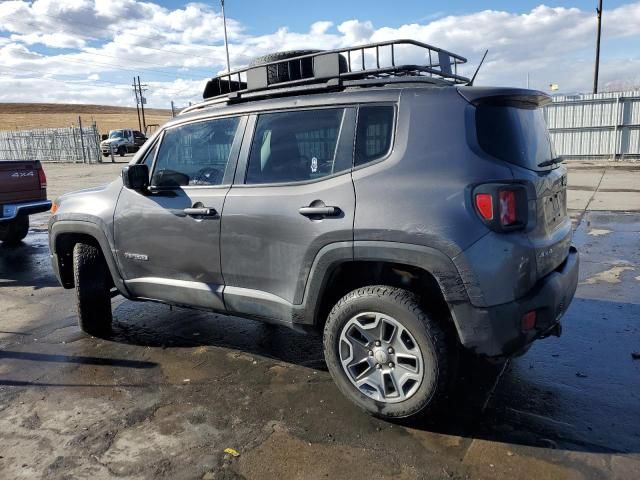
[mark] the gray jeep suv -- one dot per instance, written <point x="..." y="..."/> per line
<point x="403" y="212"/>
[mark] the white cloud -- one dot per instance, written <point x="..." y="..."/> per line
<point x="127" y="37"/>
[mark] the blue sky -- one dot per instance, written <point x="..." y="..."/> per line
<point x="266" y="16"/>
<point x="86" y="51"/>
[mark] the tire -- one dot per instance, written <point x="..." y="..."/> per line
<point x="276" y="75"/>
<point x="105" y="154"/>
<point x="12" y="232"/>
<point x="434" y="366"/>
<point x="93" y="285"/>
<point x="122" y="151"/>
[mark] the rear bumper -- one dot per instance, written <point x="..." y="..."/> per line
<point x="496" y="331"/>
<point x="10" y="211"/>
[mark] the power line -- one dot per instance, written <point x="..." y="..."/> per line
<point x="141" y="37"/>
<point x="118" y="67"/>
<point x="141" y="61"/>
<point x="87" y="52"/>
<point x="83" y="81"/>
<point x="70" y="81"/>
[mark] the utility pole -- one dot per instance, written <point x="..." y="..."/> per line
<point x="135" y="93"/>
<point x="226" y="43"/>
<point x="597" y="68"/>
<point x="142" y="101"/>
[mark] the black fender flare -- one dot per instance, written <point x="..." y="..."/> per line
<point x="455" y="288"/>
<point x="90" y="226"/>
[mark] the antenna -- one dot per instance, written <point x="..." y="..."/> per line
<point x="226" y="42"/>
<point x="478" y="69"/>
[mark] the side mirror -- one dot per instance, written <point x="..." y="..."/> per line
<point x="136" y="177"/>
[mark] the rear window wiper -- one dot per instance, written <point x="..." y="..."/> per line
<point x="553" y="161"/>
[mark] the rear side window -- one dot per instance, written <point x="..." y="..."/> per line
<point x="515" y="135"/>
<point x="373" y="136"/>
<point x="195" y="154"/>
<point x="296" y="146"/>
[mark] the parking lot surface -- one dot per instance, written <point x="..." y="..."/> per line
<point x="171" y="389"/>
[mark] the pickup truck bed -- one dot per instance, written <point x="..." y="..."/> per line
<point x="23" y="191"/>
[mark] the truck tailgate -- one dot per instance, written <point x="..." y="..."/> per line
<point x="20" y="182"/>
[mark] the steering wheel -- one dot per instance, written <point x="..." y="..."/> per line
<point x="206" y="176"/>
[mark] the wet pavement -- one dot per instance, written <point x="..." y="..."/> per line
<point x="172" y="388"/>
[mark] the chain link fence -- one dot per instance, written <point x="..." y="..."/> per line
<point x="73" y="144"/>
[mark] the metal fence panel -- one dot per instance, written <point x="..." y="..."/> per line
<point x="70" y="144"/>
<point x="602" y="126"/>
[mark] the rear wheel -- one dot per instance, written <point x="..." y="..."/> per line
<point x="386" y="354"/>
<point x="12" y="232"/>
<point x="93" y="285"/>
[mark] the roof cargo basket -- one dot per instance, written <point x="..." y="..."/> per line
<point x="332" y="68"/>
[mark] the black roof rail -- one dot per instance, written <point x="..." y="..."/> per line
<point x="333" y="69"/>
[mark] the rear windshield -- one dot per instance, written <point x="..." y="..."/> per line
<point x="515" y="135"/>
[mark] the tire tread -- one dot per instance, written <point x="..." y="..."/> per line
<point x="93" y="300"/>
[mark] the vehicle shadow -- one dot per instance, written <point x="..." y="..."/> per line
<point x="483" y="401"/>
<point x="77" y="359"/>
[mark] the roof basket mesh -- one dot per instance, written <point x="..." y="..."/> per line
<point x="370" y="61"/>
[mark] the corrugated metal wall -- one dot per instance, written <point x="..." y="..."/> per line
<point x="604" y="126"/>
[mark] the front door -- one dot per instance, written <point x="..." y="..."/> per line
<point x="168" y="240"/>
<point x="293" y="195"/>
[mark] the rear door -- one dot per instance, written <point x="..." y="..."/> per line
<point x="293" y="195"/>
<point x="168" y="241"/>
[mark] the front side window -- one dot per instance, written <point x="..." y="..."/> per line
<point x="296" y="146"/>
<point x="150" y="155"/>
<point x="374" y="133"/>
<point x="195" y="154"/>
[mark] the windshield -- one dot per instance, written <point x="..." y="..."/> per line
<point x="116" y="134"/>
<point x="515" y="135"/>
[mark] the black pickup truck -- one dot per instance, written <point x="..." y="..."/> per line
<point x="23" y="191"/>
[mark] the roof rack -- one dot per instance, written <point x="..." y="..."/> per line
<point x="333" y="69"/>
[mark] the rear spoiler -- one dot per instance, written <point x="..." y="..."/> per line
<point x="508" y="97"/>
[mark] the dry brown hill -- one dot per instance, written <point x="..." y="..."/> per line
<point x="21" y="116"/>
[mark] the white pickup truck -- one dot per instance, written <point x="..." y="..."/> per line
<point x="122" y="141"/>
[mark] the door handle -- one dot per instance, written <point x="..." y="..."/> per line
<point x="320" y="211"/>
<point x="201" y="212"/>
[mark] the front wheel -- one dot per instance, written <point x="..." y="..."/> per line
<point x="386" y="354"/>
<point x="14" y="231"/>
<point x="93" y="285"/>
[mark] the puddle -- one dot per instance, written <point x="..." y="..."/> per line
<point x="608" y="276"/>
<point x="596" y="232"/>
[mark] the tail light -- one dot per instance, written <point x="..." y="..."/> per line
<point x="507" y="207"/>
<point x="528" y="321"/>
<point x="502" y="207"/>
<point x="42" y="177"/>
<point x="484" y="204"/>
